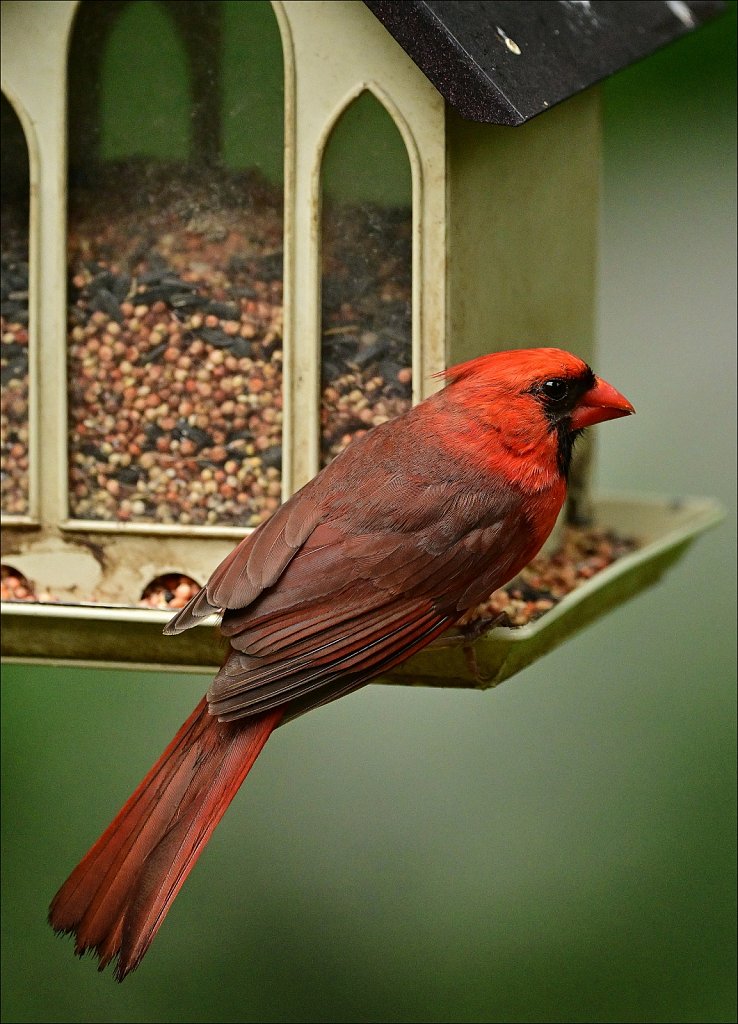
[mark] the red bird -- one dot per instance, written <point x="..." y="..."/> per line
<point x="419" y="520"/>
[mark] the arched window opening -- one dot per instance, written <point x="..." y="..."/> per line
<point x="175" y="263"/>
<point x="14" y="393"/>
<point x="169" y="590"/>
<point x="366" y="370"/>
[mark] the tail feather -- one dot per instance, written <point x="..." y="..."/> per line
<point x="118" y="895"/>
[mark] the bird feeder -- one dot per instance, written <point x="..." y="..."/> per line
<point x="237" y="235"/>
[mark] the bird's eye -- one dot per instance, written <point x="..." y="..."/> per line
<point x="556" y="389"/>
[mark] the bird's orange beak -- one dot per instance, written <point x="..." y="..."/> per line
<point x="600" y="403"/>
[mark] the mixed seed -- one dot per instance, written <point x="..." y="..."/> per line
<point x="582" y="553"/>
<point x="175" y="349"/>
<point x="367" y="327"/>
<point x="173" y="590"/>
<point x="15" y="587"/>
<point x="14" y="366"/>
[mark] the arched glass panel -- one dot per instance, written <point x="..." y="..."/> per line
<point x="366" y="275"/>
<point x="175" y="259"/>
<point x="14" y="203"/>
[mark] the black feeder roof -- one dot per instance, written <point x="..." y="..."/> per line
<point x="505" y="62"/>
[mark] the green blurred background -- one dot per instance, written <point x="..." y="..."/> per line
<point x="560" y="849"/>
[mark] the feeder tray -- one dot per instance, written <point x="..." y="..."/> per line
<point x="124" y="637"/>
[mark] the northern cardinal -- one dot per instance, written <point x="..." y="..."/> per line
<point x="387" y="547"/>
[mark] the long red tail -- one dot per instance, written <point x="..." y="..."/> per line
<point x="118" y="895"/>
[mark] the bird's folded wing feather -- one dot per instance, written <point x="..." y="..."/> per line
<point x="328" y="594"/>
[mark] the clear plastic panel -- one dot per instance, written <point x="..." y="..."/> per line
<point x="14" y="226"/>
<point x="175" y="244"/>
<point x="366" y="373"/>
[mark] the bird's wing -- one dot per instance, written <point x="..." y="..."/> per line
<point x="349" y="578"/>
<point x="254" y="565"/>
<point x="347" y="607"/>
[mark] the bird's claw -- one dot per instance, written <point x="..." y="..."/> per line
<point x="465" y="637"/>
